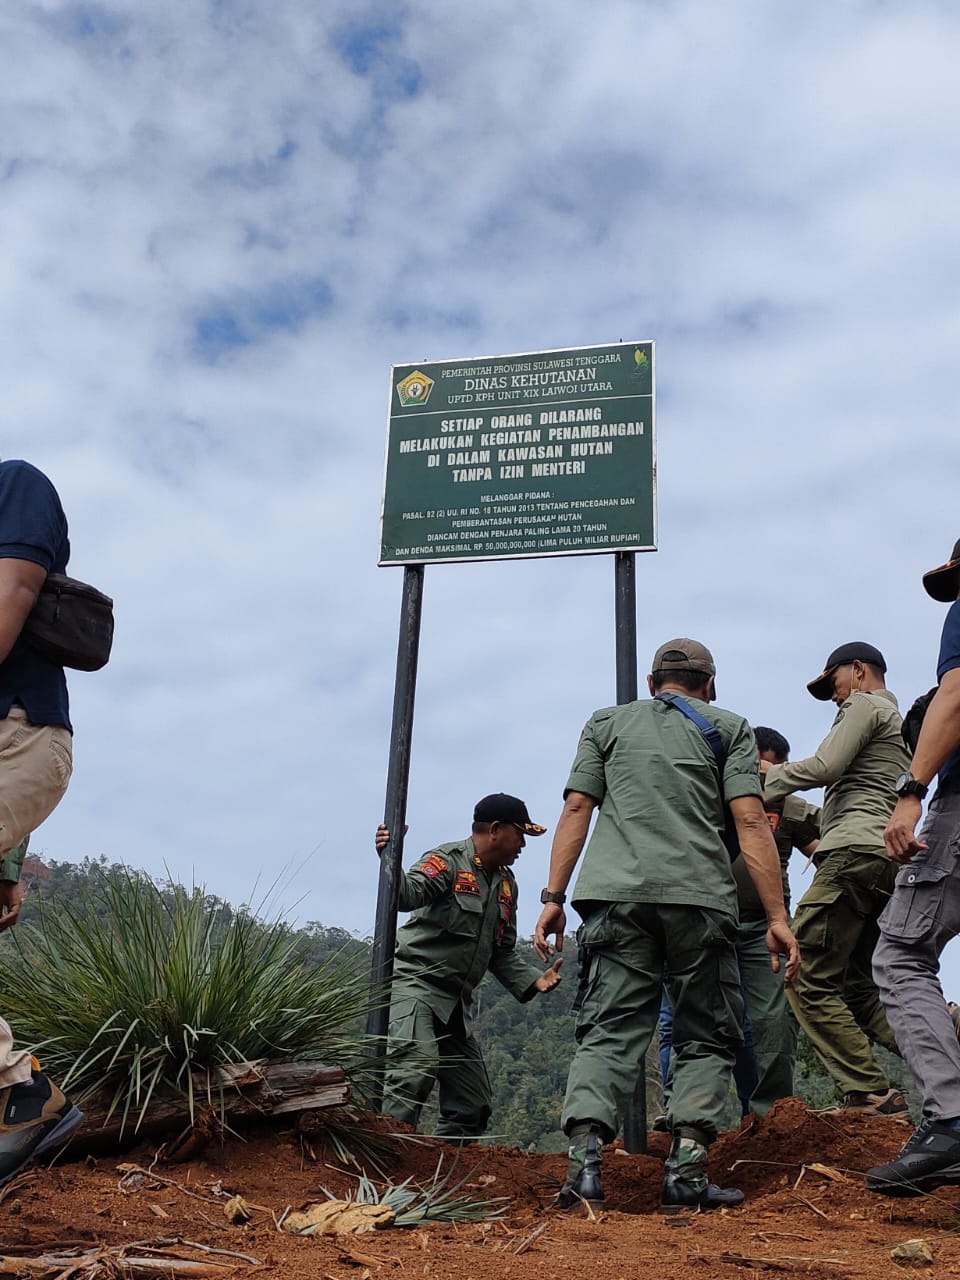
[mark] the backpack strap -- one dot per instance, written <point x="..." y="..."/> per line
<point x="710" y="731"/>
<point x="714" y="741"/>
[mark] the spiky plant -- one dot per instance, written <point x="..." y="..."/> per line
<point x="134" y="988"/>
<point x="435" y="1201"/>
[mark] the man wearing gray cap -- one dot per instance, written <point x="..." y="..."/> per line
<point x="659" y="907"/>
<point x="835" y="999"/>
<point x="922" y="917"/>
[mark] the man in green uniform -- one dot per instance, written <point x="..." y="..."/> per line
<point x="835" y="999"/>
<point x="659" y="907"/>
<point x="464" y="902"/>
<point x="795" y="825"/>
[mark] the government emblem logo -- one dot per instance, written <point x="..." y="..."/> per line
<point x="415" y="388"/>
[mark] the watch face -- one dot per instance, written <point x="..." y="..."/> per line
<point x="901" y="782"/>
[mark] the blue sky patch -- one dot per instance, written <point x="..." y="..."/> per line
<point x="253" y="316"/>
<point x="371" y="49"/>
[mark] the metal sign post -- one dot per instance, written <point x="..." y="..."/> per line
<point x="625" y="605"/>
<point x="395" y="807"/>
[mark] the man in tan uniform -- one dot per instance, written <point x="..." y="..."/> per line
<point x="835" y="999"/>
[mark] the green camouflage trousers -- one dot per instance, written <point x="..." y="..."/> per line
<point x="835" y="999"/>
<point x="628" y="951"/>
<point x="423" y="1050"/>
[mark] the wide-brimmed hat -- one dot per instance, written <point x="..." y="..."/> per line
<point x="942" y="582"/>
<point x="821" y="686"/>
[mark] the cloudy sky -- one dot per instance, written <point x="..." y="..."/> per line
<point x="223" y="222"/>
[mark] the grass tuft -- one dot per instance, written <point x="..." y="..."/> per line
<point x="133" y="988"/>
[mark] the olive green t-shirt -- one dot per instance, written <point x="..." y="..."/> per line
<point x="659" y="829"/>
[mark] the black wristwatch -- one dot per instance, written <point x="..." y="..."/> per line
<point x="558" y="898"/>
<point x="907" y="785"/>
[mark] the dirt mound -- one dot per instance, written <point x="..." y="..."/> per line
<point x="769" y="1153"/>
<point x="797" y="1219"/>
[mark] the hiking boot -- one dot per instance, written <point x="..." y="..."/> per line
<point x="930" y="1158"/>
<point x="35" y="1117"/>
<point x="582" y="1184"/>
<point x="891" y="1103"/>
<point x="661" y="1123"/>
<point x="685" y="1183"/>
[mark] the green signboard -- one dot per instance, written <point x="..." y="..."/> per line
<point x="543" y="454"/>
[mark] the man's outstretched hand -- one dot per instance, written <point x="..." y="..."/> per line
<point x="550" y="977"/>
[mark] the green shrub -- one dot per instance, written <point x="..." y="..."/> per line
<point x="133" y="988"/>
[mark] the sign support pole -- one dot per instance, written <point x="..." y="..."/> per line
<point x="395" y="811"/>
<point x="625" y="605"/>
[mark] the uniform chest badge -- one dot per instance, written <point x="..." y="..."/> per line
<point x="466" y="882"/>
<point x="505" y="894"/>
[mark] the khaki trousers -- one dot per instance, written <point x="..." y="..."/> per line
<point x="834" y="998"/>
<point x="35" y="766"/>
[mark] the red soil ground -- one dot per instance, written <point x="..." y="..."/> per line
<point x="795" y="1221"/>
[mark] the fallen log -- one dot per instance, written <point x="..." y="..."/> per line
<point x="248" y="1091"/>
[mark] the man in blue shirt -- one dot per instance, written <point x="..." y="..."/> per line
<point x="35" y="764"/>
<point x="922" y="916"/>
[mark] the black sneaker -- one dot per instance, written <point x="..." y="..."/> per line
<point x="931" y="1158"/>
<point x="582" y="1184"/>
<point x="36" y="1116"/>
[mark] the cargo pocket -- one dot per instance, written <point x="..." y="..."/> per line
<point x="813" y="922"/>
<point x="598" y="933"/>
<point x="916" y="907"/>
<point x="464" y="914"/>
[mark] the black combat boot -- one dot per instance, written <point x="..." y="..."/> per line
<point x="583" y="1171"/>
<point x="685" y="1184"/>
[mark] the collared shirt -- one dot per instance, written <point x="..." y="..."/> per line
<point x="659" y="830"/>
<point x="858" y="763"/>
<point x="464" y="923"/>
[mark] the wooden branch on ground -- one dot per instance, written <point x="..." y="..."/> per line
<point x="254" y="1090"/>
<point x="52" y="1264"/>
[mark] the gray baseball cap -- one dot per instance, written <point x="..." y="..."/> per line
<point x="684" y="655"/>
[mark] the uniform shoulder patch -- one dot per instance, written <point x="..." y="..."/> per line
<point x="432" y="866"/>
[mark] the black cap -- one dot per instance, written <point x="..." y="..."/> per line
<point x="942" y="582"/>
<point x="503" y="808"/>
<point x="857" y="650"/>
